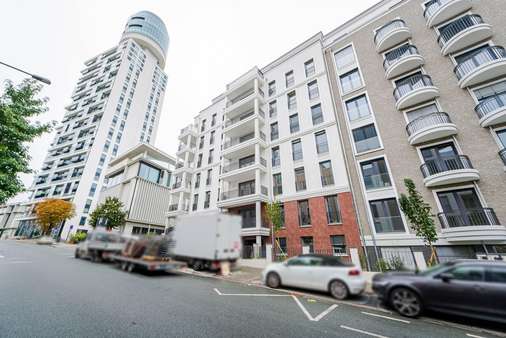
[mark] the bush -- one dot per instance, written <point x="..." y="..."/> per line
<point x="382" y="265"/>
<point x="77" y="237"/>
<point x="396" y="264"/>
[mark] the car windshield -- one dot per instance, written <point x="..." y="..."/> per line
<point x="106" y="237"/>
<point x="434" y="270"/>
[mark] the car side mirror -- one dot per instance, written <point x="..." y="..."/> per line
<point x="446" y="277"/>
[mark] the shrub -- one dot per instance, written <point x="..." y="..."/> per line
<point x="382" y="265"/>
<point x="77" y="237"/>
<point x="396" y="264"/>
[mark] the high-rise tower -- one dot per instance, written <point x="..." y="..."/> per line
<point x="115" y="105"/>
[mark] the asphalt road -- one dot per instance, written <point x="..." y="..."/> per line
<point x="45" y="292"/>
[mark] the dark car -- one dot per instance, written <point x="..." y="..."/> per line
<point x="471" y="288"/>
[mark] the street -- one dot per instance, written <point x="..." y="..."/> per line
<point x="45" y="292"/>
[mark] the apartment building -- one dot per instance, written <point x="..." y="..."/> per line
<point x="141" y="178"/>
<point x="272" y="135"/>
<point x="9" y="214"/>
<point x="420" y="93"/>
<point x="115" y="105"/>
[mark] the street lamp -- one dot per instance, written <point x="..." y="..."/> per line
<point x="34" y="76"/>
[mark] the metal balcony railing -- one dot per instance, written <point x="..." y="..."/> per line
<point x="399" y="53"/>
<point x="459" y="25"/>
<point x="486" y="55"/>
<point x="428" y="120"/>
<point x="226" y="195"/>
<point x="433" y="6"/>
<point x="387" y="28"/>
<point x="410" y="84"/>
<point x="450" y="163"/>
<point x="502" y="155"/>
<point x="471" y="217"/>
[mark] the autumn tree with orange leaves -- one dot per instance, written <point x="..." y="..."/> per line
<point x="52" y="212"/>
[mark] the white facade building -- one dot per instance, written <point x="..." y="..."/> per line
<point x="116" y="104"/>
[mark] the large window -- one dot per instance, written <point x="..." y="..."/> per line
<point x="210" y="157"/>
<point x="207" y="201"/>
<point x="338" y="245"/>
<point x="357" y="108"/>
<point x="273" y="109"/>
<point x="197" y="180"/>
<point x="307" y="245"/>
<point x="294" y="123"/>
<point x="365" y="138"/>
<point x="326" y="173"/>
<point x="149" y="173"/>
<point x="277" y="184"/>
<point x="211" y="138"/>
<point x="276" y="158"/>
<point x="332" y="206"/>
<point x="209" y="176"/>
<point x="312" y="89"/>
<point x="375" y="174"/>
<point x="304" y="215"/>
<point x="344" y="58"/>
<point x="297" y="150"/>
<point x="112" y="180"/>
<point x="247" y="188"/>
<point x="248" y="216"/>
<point x="272" y="88"/>
<point x="292" y="100"/>
<point x="289" y="79"/>
<point x="322" y="145"/>
<point x="195" y="202"/>
<point x="501" y="135"/>
<point x="463" y="208"/>
<point x="386" y="216"/>
<point x="496" y="89"/>
<point x="317" y="114"/>
<point x="423" y="111"/>
<point x="300" y="179"/>
<point x="309" y="67"/>
<point x="274" y="131"/>
<point x="350" y="81"/>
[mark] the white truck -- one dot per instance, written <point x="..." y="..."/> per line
<point x="206" y="239"/>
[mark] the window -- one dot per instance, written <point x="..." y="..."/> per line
<point x="294" y="123"/>
<point x="210" y="157"/>
<point x="300" y="179"/>
<point x="326" y="173"/>
<point x="282" y="246"/>
<point x="199" y="161"/>
<point x="307" y="247"/>
<point x="494" y="92"/>
<point x="365" y="138"/>
<point x="195" y="202"/>
<point x="463" y="208"/>
<point x="115" y="149"/>
<point x="496" y="274"/>
<point x="115" y="179"/>
<point x="472" y="273"/>
<point x="247" y="188"/>
<point x="344" y="58"/>
<point x="246" y="161"/>
<point x="386" y="216"/>
<point x="317" y="114"/>
<point x="209" y="176"/>
<point x="272" y="88"/>
<point x="82" y="221"/>
<point x="292" y="100"/>
<point x="277" y="185"/>
<point x="297" y="150"/>
<point x="87" y="206"/>
<point x="248" y="216"/>
<point x="213" y="120"/>
<point x="375" y="174"/>
<point x="273" y="109"/>
<point x="338" y="245"/>
<point x="274" y="131"/>
<point x="197" y="180"/>
<point x="312" y="90"/>
<point x="149" y="172"/>
<point x="289" y="79"/>
<point x="322" y="145"/>
<point x="309" y="67"/>
<point x="501" y="135"/>
<point x="92" y="190"/>
<point x="211" y="138"/>
<point x="207" y="201"/>
<point x="201" y="142"/>
<point x="276" y="159"/>
<point x="304" y="215"/>
<point x="357" y="108"/>
<point x="203" y="126"/>
<point x="332" y="206"/>
<point x="423" y="111"/>
<point x="350" y="81"/>
<point x="97" y="174"/>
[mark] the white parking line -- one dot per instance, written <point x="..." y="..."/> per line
<point x="249" y="294"/>
<point x="385" y="317"/>
<point x="15" y="262"/>
<point x="473" y="335"/>
<point x="362" y="331"/>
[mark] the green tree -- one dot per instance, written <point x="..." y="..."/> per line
<point x="51" y="212"/>
<point x="110" y="214"/>
<point x="420" y="217"/>
<point x="274" y="215"/>
<point x="18" y="105"/>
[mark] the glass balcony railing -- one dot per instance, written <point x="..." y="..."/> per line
<point x="471" y="217"/>
<point x="238" y="140"/>
<point x="240" y="97"/>
<point x="491" y="104"/>
<point x="486" y="55"/>
<point x="426" y="121"/>
<point x="457" y="26"/>
<point x="226" y="195"/>
<point x="238" y="165"/>
<point x="449" y="163"/>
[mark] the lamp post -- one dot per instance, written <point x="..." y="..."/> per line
<point x="33" y="76"/>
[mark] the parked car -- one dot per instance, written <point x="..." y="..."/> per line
<point x="99" y="244"/>
<point x="474" y="288"/>
<point x="316" y="272"/>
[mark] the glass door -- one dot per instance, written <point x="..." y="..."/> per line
<point x="440" y="158"/>
<point x="462" y="208"/>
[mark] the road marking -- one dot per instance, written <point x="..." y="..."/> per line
<point x="249" y="294"/>
<point x="15" y="262"/>
<point x="2" y="256"/>
<point x="362" y="331"/>
<point x="473" y="335"/>
<point x="308" y="315"/>
<point x="381" y="316"/>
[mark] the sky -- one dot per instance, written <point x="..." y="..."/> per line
<point x="211" y="44"/>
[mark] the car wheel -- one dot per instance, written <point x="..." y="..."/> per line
<point x="273" y="280"/>
<point x="406" y="302"/>
<point x="76" y="254"/>
<point x="197" y="265"/>
<point x="338" y="290"/>
<point x="130" y="267"/>
<point x="124" y="266"/>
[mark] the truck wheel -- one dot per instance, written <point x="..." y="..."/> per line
<point x="273" y="280"/>
<point x="197" y="265"/>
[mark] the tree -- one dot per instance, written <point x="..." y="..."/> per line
<point x="110" y="214"/>
<point x="18" y="105"/>
<point x="420" y="217"/>
<point x="52" y="212"/>
<point x="274" y="215"/>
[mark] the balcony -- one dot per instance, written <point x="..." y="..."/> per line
<point x="448" y="170"/>
<point x="402" y="60"/>
<point x="242" y="196"/>
<point x="439" y="11"/>
<point x="414" y="90"/>
<point x="479" y="224"/>
<point x="237" y="167"/>
<point x="430" y="127"/>
<point x="463" y="32"/>
<point x="189" y="130"/>
<point x="489" y="63"/>
<point x="492" y="110"/>
<point x="242" y="143"/>
<point x="175" y="209"/>
<point x="184" y="148"/>
<point x="244" y="98"/>
<point x="502" y="155"/>
<point x="391" y="34"/>
<point x="245" y="121"/>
